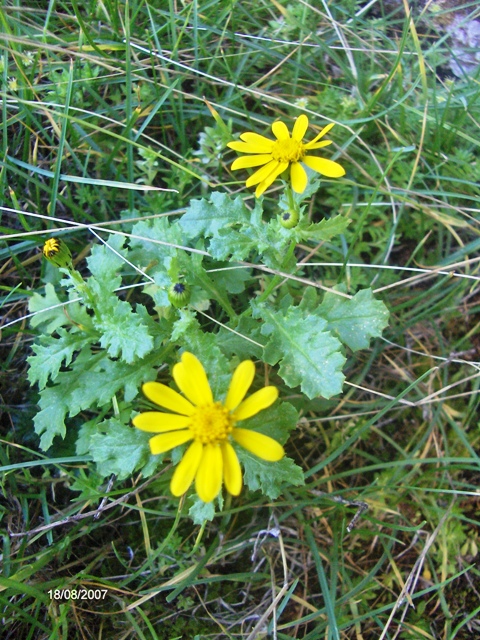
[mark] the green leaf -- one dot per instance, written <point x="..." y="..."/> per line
<point x="121" y="450"/>
<point x="252" y="236"/>
<point x="231" y="277"/>
<point x="52" y="313"/>
<point x="105" y="261"/>
<point x="206" y="218"/>
<point x="92" y="382"/>
<point x="51" y="353"/>
<point x="235" y="231"/>
<point x="201" y="511"/>
<point x="245" y="341"/>
<point x="88" y="484"/>
<point x="50" y="421"/>
<point x="86" y="431"/>
<point x="355" y="321"/>
<point x="147" y="254"/>
<point x="122" y="331"/>
<point x="49" y="319"/>
<point x="269" y="477"/>
<point x="308" y="353"/>
<point x="277" y="422"/>
<point x="323" y="230"/>
<point x="315" y="231"/>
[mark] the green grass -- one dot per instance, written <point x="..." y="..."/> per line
<point x="100" y="100"/>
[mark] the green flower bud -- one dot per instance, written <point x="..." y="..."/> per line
<point x="58" y="253"/>
<point x="289" y="219"/>
<point x="179" y="294"/>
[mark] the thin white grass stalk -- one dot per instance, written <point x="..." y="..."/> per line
<point x="76" y="225"/>
<point x="450" y="386"/>
<point x="63" y="304"/>
<point x="433" y="271"/>
<point x="465" y="394"/>
<point x="379" y="393"/>
<point x="347" y="416"/>
<point x="430" y="355"/>
<point x="289" y="276"/>
<point x="229" y="328"/>
<point x="80" y="225"/>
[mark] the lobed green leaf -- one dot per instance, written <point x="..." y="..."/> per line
<point x="121" y="450"/>
<point x="51" y="353"/>
<point x="309" y="355"/>
<point x="355" y="321"/>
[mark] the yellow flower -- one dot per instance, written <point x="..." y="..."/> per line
<point x="57" y="252"/>
<point x="286" y="151"/>
<point x="210" y="424"/>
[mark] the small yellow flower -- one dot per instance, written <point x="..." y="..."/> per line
<point x="210" y="424"/>
<point x="57" y="252"/>
<point x="286" y="151"/>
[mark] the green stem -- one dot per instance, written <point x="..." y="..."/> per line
<point x="276" y="279"/>
<point x="291" y="200"/>
<point x="199" y="537"/>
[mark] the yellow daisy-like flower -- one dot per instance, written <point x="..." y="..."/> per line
<point x="286" y="151"/>
<point x="210" y="424"/>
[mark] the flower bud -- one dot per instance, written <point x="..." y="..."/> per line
<point x="179" y="294"/>
<point x="289" y="219"/>
<point x="58" y="253"/>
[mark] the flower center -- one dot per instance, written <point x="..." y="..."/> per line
<point x="288" y="150"/>
<point x="211" y="423"/>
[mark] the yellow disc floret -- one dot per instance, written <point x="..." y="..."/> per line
<point x="211" y="423"/>
<point x="288" y="151"/>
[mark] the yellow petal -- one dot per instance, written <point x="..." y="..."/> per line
<point x="166" y="441"/>
<point x="317" y="145"/>
<point x="256" y="402"/>
<point x="167" y="398"/>
<point x="280" y="131"/>
<point x="240" y="384"/>
<point x="300" y="127"/>
<point x="322" y="133"/>
<point x="263" y="186"/>
<point x="298" y="177"/>
<point x="186" y="470"/>
<point x="156" y="422"/>
<point x="257" y="139"/>
<point x="262" y="173"/>
<point x="251" y="161"/>
<point x="191" y="378"/>
<point x="232" y="472"/>
<point x="248" y="147"/>
<point x="272" y="176"/>
<point x="326" y="167"/>
<point x="259" y="444"/>
<point x="208" y="480"/>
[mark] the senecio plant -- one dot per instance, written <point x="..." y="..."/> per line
<point x="217" y="279"/>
